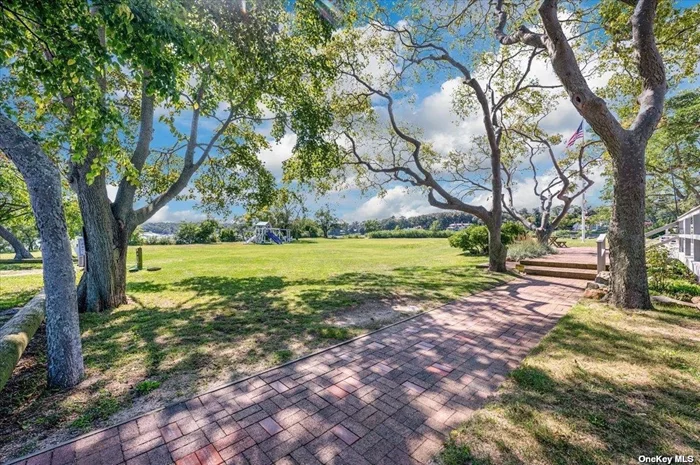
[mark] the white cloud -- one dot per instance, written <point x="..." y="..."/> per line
<point x="166" y="214"/>
<point x="524" y="196"/>
<point x="447" y="131"/>
<point x="278" y="153"/>
<point x="442" y="127"/>
<point x="398" y="201"/>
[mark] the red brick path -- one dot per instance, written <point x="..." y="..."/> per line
<point x="388" y="398"/>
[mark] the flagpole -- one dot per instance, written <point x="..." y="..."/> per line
<point x="583" y="195"/>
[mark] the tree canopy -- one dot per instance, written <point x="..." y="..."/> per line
<point x="212" y="80"/>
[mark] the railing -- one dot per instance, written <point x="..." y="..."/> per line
<point x="601" y="252"/>
<point x="665" y="229"/>
<point x="689" y="240"/>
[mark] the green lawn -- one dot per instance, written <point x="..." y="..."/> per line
<point x="604" y="387"/>
<point x="16" y="291"/>
<point x="216" y="312"/>
<point x="577" y="242"/>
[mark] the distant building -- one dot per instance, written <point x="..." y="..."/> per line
<point x="458" y="226"/>
<point x="152" y="235"/>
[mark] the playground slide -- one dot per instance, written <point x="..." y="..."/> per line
<point x="273" y="237"/>
<point x="252" y="239"/>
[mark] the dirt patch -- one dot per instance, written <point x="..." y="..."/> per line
<point x="376" y="312"/>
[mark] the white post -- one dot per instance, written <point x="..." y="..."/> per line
<point x="583" y="195"/>
<point x="583" y="216"/>
<point x="80" y="251"/>
<point x="600" y="253"/>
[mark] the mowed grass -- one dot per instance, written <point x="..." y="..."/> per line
<point x="604" y="387"/>
<point x="16" y="291"/>
<point x="19" y="282"/>
<point x="214" y="313"/>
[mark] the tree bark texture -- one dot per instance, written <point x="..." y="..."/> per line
<point x="626" y="146"/>
<point x="21" y="251"/>
<point x="16" y="334"/>
<point x="497" y="251"/>
<point x="628" y="272"/>
<point x="65" y="359"/>
<point x="103" y="283"/>
<point x="108" y="225"/>
<point x="543" y="235"/>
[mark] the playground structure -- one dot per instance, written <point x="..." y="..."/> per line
<point x="266" y="234"/>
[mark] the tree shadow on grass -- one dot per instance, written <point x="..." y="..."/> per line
<point x="422" y="282"/>
<point x="145" y="286"/>
<point x="597" y="390"/>
<point x="613" y="422"/>
<point x="252" y="312"/>
<point x="229" y="325"/>
<point x="17" y="298"/>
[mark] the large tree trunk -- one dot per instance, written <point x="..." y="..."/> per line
<point x="103" y="284"/>
<point x="628" y="272"/>
<point x="21" y="252"/>
<point x="65" y="358"/>
<point x="543" y="235"/>
<point x="497" y="251"/>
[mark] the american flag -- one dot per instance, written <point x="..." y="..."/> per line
<point x="577" y="135"/>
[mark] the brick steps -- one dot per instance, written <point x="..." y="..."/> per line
<point x="557" y="264"/>
<point x="561" y="272"/>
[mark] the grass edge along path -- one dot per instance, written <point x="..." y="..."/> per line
<point x="604" y="387"/>
<point x="408" y="384"/>
<point x="219" y="312"/>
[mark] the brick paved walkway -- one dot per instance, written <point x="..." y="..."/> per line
<point x="388" y="398"/>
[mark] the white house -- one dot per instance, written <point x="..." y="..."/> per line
<point x="689" y="239"/>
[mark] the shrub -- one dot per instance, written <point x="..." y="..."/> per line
<point x="512" y="231"/>
<point x="409" y="234"/>
<point x="527" y="248"/>
<point x="206" y="232"/>
<point x="159" y="240"/>
<point x="670" y="276"/>
<point x="475" y="239"/>
<point x="228" y="235"/>
<point x="192" y="233"/>
<point x="305" y="227"/>
<point x="137" y="237"/>
<point x="662" y="267"/>
<point x="681" y="290"/>
<point x="186" y="233"/>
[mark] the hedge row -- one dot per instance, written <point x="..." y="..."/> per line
<point x="409" y="234"/>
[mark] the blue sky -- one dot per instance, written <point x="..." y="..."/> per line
<point x="432" y="111"/>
